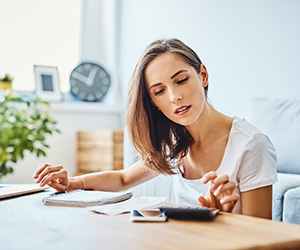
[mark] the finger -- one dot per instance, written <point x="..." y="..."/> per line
<point x="225" y="188"/>
<point x="39" y="169"/>
<point x="233" y="198"/>
<point x="46" y="170"/>
<point x="203" y="202"/>
<point x="209" y="201"/>
<point x="219" y="181"/>
<point x="209" y="177"/>
<point x="57" y="186"/>
<point x="53" y="176"/>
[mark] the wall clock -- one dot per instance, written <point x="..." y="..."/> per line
<point x="89" y="81"/>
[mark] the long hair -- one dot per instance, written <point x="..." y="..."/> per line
<point x="159" y="140"/>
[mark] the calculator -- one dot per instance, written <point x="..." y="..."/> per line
<point x="190" y="213"/>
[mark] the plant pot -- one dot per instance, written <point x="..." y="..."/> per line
<point x="6" y="85"/>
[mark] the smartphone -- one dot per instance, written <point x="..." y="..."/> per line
<point x="148" y="215"/>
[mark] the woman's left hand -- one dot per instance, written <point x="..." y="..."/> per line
<point x="220" y="193"/>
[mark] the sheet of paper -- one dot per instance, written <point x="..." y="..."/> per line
<point x="128" y="205"/>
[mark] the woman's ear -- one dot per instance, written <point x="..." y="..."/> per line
<point x="155" y="105"/>
<point x="203" y="75"/>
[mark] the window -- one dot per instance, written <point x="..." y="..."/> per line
<point x="38" y="32"/>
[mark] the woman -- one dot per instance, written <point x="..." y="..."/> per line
<point x="216" y="160"/>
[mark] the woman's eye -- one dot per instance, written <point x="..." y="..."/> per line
<point x="159" y="92"/>
<point x="182" y="81"/>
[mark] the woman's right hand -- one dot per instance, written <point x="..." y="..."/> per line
<point x="54" y="176"/>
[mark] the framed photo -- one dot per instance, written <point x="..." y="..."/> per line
<point x="47" y="83"/>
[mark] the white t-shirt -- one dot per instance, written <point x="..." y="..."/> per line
<point x="249" y="160"/>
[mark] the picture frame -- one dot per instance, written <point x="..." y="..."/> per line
<point x="47" y="84"/>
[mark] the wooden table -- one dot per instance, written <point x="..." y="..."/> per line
<point x="25" y="223"/>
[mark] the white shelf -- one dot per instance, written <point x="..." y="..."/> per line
<point x="70" y="105"/>
<point x="85" y="107"/>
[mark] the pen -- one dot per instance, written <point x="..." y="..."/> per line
<point x="57" y="193"/>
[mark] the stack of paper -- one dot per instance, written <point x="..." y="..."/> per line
<point x="131" y="204"/>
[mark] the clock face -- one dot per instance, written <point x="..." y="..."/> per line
<point x="89" y="82"/>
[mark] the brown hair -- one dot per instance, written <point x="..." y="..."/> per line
<point x="159" y="140"/>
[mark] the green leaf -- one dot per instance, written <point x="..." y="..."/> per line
<point x="40" y="152"/>
<point x="45" y="145"/>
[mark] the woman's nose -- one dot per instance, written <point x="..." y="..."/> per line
<point x="175" y="95"/>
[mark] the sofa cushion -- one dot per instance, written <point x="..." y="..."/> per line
<point x="291" y="206"/>
<point x="279" y="119"/>
<point x="280" y="189"/>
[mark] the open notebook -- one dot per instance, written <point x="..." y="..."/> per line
<point x="85" y="198"/>
<point x="11" y="190"/>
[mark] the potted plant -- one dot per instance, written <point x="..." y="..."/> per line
<point x="6" y="82"/>
<point x="24" y="125"/>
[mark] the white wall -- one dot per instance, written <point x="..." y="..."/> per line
<point x="37" y="32"/>
<point x="250" y="48"/>
<point x="98" y="41"/>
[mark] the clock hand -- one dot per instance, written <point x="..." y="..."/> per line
<point x="91" y="76"/>
<point x="80" y="77"/>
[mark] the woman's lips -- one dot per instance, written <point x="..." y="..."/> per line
<point x="182" y="110"/>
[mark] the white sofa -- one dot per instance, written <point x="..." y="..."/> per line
<point x="280" y="120"/>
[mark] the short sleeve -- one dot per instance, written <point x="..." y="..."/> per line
<point x="258" y="164"/>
